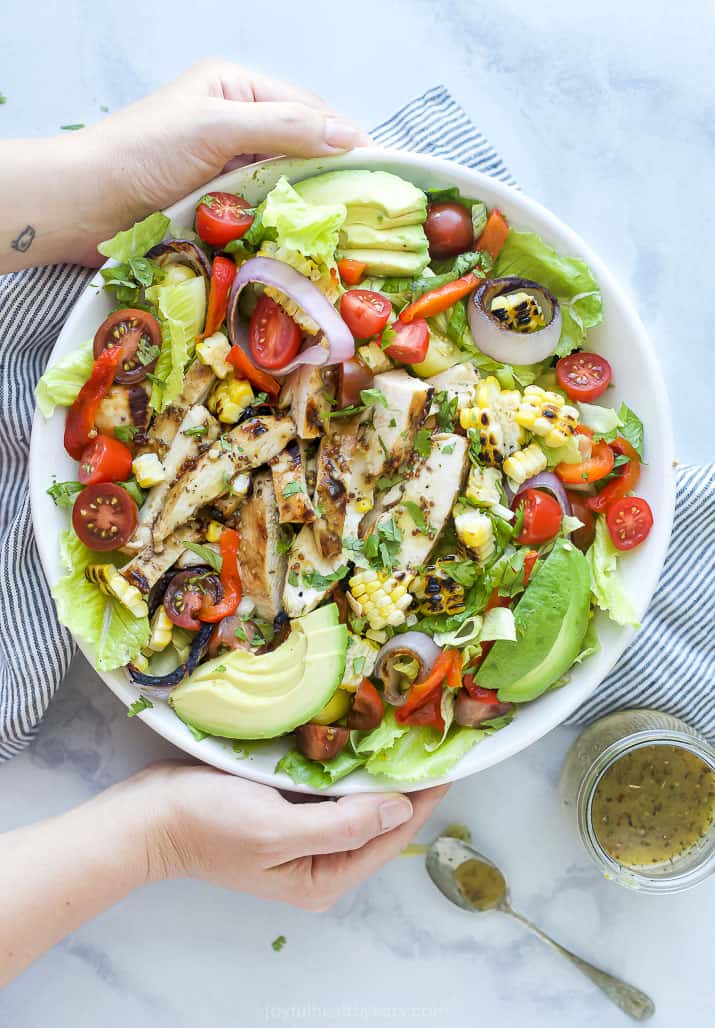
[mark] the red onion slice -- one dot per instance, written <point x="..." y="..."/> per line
<point x="417" y="645"/>
<point x="182" y="251"/>
<point x="503" y="344"/>
<point x="551" y="483"/>
<point x="269" y="272"/>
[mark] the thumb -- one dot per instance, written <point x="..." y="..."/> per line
<point x="349" y="824"/>
<point x="284" y="127"/>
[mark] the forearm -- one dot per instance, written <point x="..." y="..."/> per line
<point x="58" y="874"/>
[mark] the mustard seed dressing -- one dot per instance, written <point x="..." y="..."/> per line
<point x="653" y="805"/>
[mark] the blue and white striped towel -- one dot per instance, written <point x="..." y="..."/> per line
<point x="672" y="648"/>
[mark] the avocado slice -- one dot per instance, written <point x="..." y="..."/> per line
<point x="389" y="262"/>
<point x="410" y="238"/>
<point x="244" y="696"/>
<point x="376" y="198"/>
<point x="551" y="621"/>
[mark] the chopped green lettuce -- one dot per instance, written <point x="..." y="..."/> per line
<point x="182" y="309"/>
<point x="606" y="584"/>
<point x="570" y="280"/>
<point x="318" y="773"/>
<point x="311" y="229"/>
<point x="101" y="621"/>
<point x="61" y="383"/>
<point x="409" y="760"/>
<point x="631" y="428"/>
<point x="137" y="240"/>
<point x="602" y="420"/>
<point x="382" y="737"/>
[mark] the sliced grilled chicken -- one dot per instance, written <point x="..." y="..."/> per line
<point x="432" y="484"/>
<point x="291" y="488"/>
<point x="125" y="405"/>
<point x="332" y="485"/>
<point x="145" y="570"/>
<point x="305" y="394"/>
<point x="304" y="559"/>
<point x="184" y="450"/>
<point x="261" y="565"/>
<point x="248" y="445"/>
<point x="197" y="386"/>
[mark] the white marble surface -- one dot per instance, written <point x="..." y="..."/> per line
<point x="605" y="112"/>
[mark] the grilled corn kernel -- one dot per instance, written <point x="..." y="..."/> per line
<point x="230" y="398"/>
<point x="382" y="597"/>
<point x="476" y="532"/>
<point x="213" y="352"/>
<point x="141" y="663"/>
<point x="520" y="312"/>
<point x="111" y="583"/>
<point x="363" y="505"/>
<point x="213" y="531"/>
<point x="148" y="470"/>
<point x="437" y="593"/>
<point x="547" y="415"/>
<point x="494" y="418"/>
<point x="525" y="463"/>
<point x="161" y="630"/>
<point x="483" y="486"/>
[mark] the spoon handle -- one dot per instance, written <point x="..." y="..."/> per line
<point x="631" y="1000"/>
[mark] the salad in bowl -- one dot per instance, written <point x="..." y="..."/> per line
<point x="347" y="473"/>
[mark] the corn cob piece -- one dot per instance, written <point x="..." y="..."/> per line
<point x="475" y="531"/>
<point x="437" y="593"/>
<point x="161" y="631"/>
<point x="383" y="597"/>
<point x="213" y="352"/>
<point x="483" y="486"/>
<point x="230" y="398"/>
<point x="148" y="470"/>
<point x="111" y="583"/>
<point x="494" y="418"/>
<point x="520" y="312"/>
<point x="525" y="463"/>
<point x="547" y="415"/>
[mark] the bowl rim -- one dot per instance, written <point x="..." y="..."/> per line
<point x="511" y="742"/>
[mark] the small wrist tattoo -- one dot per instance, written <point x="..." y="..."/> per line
<point x="24" y="240"/>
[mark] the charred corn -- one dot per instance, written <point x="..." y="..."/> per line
<point x="148" y="470"/>
<point x="437" y="593"/>
<point x="360" y="661"/>
<point x="213" y="531"/>
<point x="213" y="352"/>
<point x="230" y="398"/>
<point x="476" y="532"/>
<point x="161" y="630"/>
<point x="547" y="415"/>
<point x="322" y="279"/>
<point x="483" y="486"/>
<point x="494" y="418"/>
<point x="525" y="463"/>
<point x="112" y="584"/>
<point x="383" y="598"/>
<point x="520" y="312"/>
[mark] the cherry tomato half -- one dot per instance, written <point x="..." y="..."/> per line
<point x="449" y="230"/>
<point x="582" y="537"/>
<point x="104" y="516"/>
<point x="274" y="337"/>
<point x="410" y="343"/>
<point x="221" y="217"/>
<point x="364" y="312"/>
<point x="104" y="460"/>
<point x="542" y="517"/>
<point x="625" y="481"/>
<point x="584" y="376"/>
<point x="320" y="742"/>
<point x="351" y="272"/>
<point x="629" y="522"/>
<point x="367" y="708"/>
<point x="186" y="592"/>
<point x="139" y="335"/>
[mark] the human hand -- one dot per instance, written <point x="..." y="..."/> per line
<point x="246" y="836"/>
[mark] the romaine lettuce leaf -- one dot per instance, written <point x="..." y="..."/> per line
<point x="137" y="240"/>
<point x="602" y="420"/>
<point x="311" y="229"/>
<point x="116" y="635"/>
<point x="182" y="310"/>
<point x="382" y="737"/>
<point x="318" y="773"/>
<point x="408" y="760"/>
<point x="61" y="383"/>
<point x="606" y="584"/>
<point x="570" y="280"/>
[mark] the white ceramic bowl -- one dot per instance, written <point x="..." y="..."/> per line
<point x="621" y="338"/>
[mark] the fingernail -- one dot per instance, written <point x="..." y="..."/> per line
<point x="395" y="812"/>
<point x="343" y="135"/>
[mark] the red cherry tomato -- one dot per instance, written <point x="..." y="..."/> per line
<point x="625" y="481"/>
<point x="410" y="343"/>
<point x="584" y="376"/>
<point x="477" y="693"/>
<point x="598" y="465"/>
<point x="104" y="516"/>
<point x="629" y="522"/>
<point x="273" y="336"/>
<point x="221" y="217"/>
<point x="367" y="708"/>
<point x="580" y="505"/>
<point x="104" y="460"/>
<point x="351" y="272"/>
<point x="364" y="312"/>
<point x="449" y="230"/>
<point x="542" y="517"/>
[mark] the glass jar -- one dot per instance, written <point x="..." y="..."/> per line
<point x="596" y="750"/>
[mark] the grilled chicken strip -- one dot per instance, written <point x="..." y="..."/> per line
<point x="305" y="394"/>
<point x="459" y="381"/>
<point x="145" y="570"/>
<point x="248" y="445"/>
<point x="304" y="558"/>
<point x="197" y="386"/>
<point x="125" y="405"/>
<point x="333" y="472"/>
<point x="291" y="487"/>
<point x="261" y="565"/>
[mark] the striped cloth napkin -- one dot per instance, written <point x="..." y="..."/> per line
<point x="673" y="647"/>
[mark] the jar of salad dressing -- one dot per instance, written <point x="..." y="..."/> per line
<point x="638" y="787"/>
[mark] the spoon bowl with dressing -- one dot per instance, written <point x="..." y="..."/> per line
<point x="473" y="882"/>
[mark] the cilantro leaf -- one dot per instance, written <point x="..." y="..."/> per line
<point x="206" y="554"/>
<point x="373" y="397"/>
<point x="423" y="442"/>
<point x="64" y="493"/>
<point x="291" y="489"/>
<point x="278" y="943"/>
<point x="125" y="433"/>
<point x="417" y="515"/>
<point x="631" y="428"/>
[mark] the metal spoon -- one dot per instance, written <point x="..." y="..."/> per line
<point x="474" y="883"/>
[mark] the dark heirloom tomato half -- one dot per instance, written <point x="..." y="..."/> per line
<point x="449" y="230"/>
<point x="367" y="708"/>
<point x="582" y="537"/>
<point x="353" y="377"/>
<point x="222" y="217"/>
<point x="104" y="516"/>
<point x="139" y="335"/>
<point x="185" y="593"/>
<point x="273" y="336"/>
<point x="320" y="742"/>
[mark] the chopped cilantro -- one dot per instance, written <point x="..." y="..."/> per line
<point x="292" y="578"/>
<point x="138" y="706"/>
<point x="423" y="442"/>
<point x="278" y="943"/>
<point x="388" y="337"/>
<point x="221" y="669"/>
<point x="147" y="352"/>
<point x="286" y="535"/>
<point x="206" y="554"/>
<point x="446" y="410"/>
<point x="382" y="546"/>
<point x="196" y="430"/>
<point x="125" y="433"/>
<point x="417" y="515"/>
<point x="73" y="127"/>
<point x="315" y="580"/>
<point x="291" y="489"/>
<point x="226" y="444"/>
<point x="63" y="493"/>
<point x="475" y="445"/>
<point x="373" y="397"/>
<point x="347" y="412"/>
<point x="393" y="423"/>
<point x="449" y="448"/>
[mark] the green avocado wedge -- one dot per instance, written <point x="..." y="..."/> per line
<point x="551" y="621"/>
<point x="241" y="695"/>
<point x="376" y="198"/>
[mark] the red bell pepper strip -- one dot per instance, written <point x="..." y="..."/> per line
<point x="477" y="693"/>
<point x="248" y="370"/>
<point x="230" y="580"/>
<point x="351" y="272"/>
<point x="625" y="481"/>
<point x="441" y="299"/>
<point x="222" y="276"/>
<point x="80" y="427"/>
<point x="529" y="561"/>
<point x="424" y="692"/>
<point x="454" y="675"/>
<point x="494" y="235"/>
